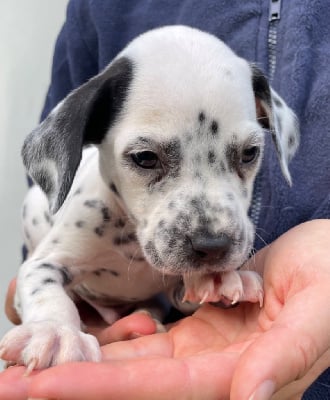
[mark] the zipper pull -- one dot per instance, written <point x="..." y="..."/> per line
<point x="274" y="10"/>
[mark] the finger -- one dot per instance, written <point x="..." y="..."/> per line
<point x="201" y="377"/>
<point x="132" y="326"/>
<point x="296" y="389"/>
<point x="12" y="384"/>
<point x="9" y="306"/>
<point x="158" y="345"/>
<point x="289" y="349"/>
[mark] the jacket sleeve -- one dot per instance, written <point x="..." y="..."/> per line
<point x="75" y="57"/>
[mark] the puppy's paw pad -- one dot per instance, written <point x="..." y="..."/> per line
<point x="40" y="345"/>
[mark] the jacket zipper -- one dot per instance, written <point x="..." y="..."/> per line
<point x="274" y="17"/>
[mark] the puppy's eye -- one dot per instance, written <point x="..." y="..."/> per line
<point x="146" y="159"/>
<point x="250" y="154"/>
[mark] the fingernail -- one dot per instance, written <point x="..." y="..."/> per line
<point x="264" y="391"/>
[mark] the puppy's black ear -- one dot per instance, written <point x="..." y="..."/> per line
<point x="275" y="115"/>
<point x="52" y="152"/>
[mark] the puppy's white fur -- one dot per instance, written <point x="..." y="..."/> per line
<point x="124" y="233"/>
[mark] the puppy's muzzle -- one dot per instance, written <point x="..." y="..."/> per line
<point x="210" y="249"/>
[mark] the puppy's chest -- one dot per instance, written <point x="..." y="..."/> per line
<point x="120" y="281"/>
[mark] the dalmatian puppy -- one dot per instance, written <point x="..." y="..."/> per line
<point x="173" y="132"/>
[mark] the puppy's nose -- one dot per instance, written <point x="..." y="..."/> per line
<point x="210" y="249"/>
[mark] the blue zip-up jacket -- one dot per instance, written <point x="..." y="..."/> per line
<point x="293" y="50"/>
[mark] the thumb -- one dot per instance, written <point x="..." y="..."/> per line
<point x="288" y="347"/>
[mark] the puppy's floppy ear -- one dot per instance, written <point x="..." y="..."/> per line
<point x="274" y="114"/>
<point x="52" y="152"/>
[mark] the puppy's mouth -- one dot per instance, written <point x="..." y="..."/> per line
<point x="180" y="261"/>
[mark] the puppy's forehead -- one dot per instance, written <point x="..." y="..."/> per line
<point x="179" y="71"/>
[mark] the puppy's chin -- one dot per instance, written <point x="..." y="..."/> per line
<point x="193" y="267"/>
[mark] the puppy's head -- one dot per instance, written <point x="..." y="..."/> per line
<point x="179" y="121"/>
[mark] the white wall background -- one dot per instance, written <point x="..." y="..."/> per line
<point x="28" y="30"/>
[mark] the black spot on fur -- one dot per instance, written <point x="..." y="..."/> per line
<point x="113" y="187"/>
<point x="48" y="281"/>
<point x="211" y="157"/>
<point x="152" y="252"/>
<point x="119" y="223"/>
<point x="105" y="214"/>
<point x="77" y="192"/>
<point x="291" y="141"/>
<point x="114" y="273"/>
<point x="99" y="230"/>
<point x="35" y="291"/>
<point x="27" y="234"/>
<point x="80" y="224"/>
<point x="91" y="203"/>
<point x="122" y="240"/>
<point x="277" y="102"/>
<point x="172" y="243"/>
<point x="47" y="266"/>
<point x="35" y="221"/>
<point x="47" y="218"/>
<point x="214" y="127"/>
<point x="201" y="117"/>
<point x="67" y="277"/>
<point x="172" y="150"/>
<point x="232" y="156"/>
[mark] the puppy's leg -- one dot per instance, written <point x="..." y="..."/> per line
<point x="36" y="219"/>
<point x="50" y="332"/>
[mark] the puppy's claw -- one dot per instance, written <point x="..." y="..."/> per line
<point x="236" y="298"/>
<point x="261" y="298"/>
<point x="31" y="366"/>
<point x="204" y="298"/>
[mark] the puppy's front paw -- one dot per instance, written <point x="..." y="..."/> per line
<point x="227" y="287"/>
<point x="43" y="344"/>
<point x="242" y="286"/>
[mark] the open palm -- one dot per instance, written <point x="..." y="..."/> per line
<point x="215" y="354"/>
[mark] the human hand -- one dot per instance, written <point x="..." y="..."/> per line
<point x="217" y="353"/>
